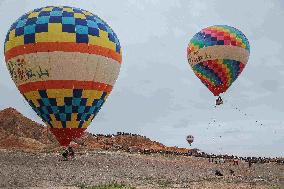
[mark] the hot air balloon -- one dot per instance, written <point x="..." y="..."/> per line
<point x="190" y="139"/>
<point x="217" y="55"/>
<point x="65" y="62"/>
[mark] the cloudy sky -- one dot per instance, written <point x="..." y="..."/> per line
<point x="158" y="95"/>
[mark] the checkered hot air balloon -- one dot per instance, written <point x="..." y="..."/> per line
<point x="64" y="61"/>
<point x="217" y="55"/>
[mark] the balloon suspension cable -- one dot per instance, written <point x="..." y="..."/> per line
<point x="243" y="113"/>
<point x="219" y="101"/>
<point x="213" y="119"/>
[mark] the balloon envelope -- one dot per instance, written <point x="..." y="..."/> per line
<point x="217" y="55"/>
<point x="64" y="61"/>
<point x="190" y="139"/>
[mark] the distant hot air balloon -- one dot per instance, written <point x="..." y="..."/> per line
<point x="190" y="139"/>
<point x="64" y="61"/>
<point x="217" y="55"/>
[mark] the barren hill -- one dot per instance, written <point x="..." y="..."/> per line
<point x="19" y="132"/>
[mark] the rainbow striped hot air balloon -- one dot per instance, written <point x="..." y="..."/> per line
<point x="217" y="55"/>
<point x="64" y="61"/>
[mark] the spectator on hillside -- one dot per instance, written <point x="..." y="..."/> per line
<point x="236" y="161"/>
<point x="250" y="163"/>
<point x="232" y="172"/>
<point x="218" y="173"/>
<point x="65" y="154"/>
<point x="71" y="152"/>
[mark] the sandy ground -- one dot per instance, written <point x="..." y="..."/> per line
<point x="46" y="170"/>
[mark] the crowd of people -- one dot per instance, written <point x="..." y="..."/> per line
<point x="218" y="159"/>
<point x="117" y="134"/>
<point x="235" y="160"/>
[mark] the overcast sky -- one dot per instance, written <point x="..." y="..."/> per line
<point x="157" y="93"/>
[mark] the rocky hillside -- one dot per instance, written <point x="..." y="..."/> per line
<point x="20" y="133"/>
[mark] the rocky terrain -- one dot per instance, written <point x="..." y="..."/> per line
<point x="20" y="133"/>
<point x="30" y="158"/>
<point x="45" y="170"/>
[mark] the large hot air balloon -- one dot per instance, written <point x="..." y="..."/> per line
<point x="190" y="139"/>
<point x="64" y="61"/>
<point x="217" y="55"/>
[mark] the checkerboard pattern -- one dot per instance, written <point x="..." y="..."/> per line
<point x="218" y="75"/>
<point x="66" y="108"/>
<point x="218" y="35"/>
<point x="62" y="24"/>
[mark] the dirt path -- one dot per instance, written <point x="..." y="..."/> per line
<point x="18" y="169"/>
